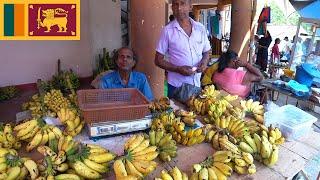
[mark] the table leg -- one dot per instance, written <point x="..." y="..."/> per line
<point x="287" y="100"/>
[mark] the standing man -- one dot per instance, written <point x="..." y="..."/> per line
<point x="187" y="45"/>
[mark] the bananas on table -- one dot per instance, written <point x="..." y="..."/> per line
<point x="7" y="138"/>
<point x="13" y="167"/>
<point x="188" y="117"/>
<point x="161" y="105"/>
<point x="174" y="174"/>
<point x="167" y="147"/>
<point x="71" y="119"/>
<point x="138" y="159"/>
<point x="55" y="100"/>
<point x="36" y="132"/>
<point x="254" y="109"/>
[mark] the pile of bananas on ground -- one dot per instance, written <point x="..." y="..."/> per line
<point x="161" y="105"/>
<point x="71" y="119"/>
<point x="55" y="100"/>
<point x="253" y="109"/>
<point x="174" y="174"/>
<point x="138" y="159"/>
<point x="36" y="132"/>
<point x="189" y="138"/>
<point x="7" y="138"/>
<point x="37" y="108"/>
<point x="188" y="117"/>
<point x="167" y="147"/>
<point x="260" y="147"/>
<point x="12" y="167"/>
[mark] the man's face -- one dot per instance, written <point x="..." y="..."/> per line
<point x="181" y="8"/>
<point x="125" y="60"/>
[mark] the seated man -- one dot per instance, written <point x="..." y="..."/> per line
<point x="124" y="76"/>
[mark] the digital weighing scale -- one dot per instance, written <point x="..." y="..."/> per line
<point x="119" y="127"/>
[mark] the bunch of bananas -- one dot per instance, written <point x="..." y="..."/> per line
<point x="223" y="143"/>
<point x="12" y="167"/>
<point x="36" y="132"/>
<point x="7" y="138"/>
<point x="189" y="138"/>
<point x="161" y="105"/>
<point x="261" y="148"/>
<point x="167" y="147"/>
<point x="36" y="107"/>
<point x="199" y="106"/>
<point x="55" y="100"/>
<point x="209" y="92"/>
<point x="274" y="135"/>
<point x="138" y="160"/>
<point x="234" y="126"/>
<point x="254" y="109"/>
<point x="72" y="120"/>
<point x="213" y="133"/>
<point x="188" y="117"/>
<point x="174" y="174"/>
<point x="218" y="108"/>
<point x="163" y="121"/>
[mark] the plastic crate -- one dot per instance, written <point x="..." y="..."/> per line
<point x="292" y="121"/>
<point x="102" y="105"/>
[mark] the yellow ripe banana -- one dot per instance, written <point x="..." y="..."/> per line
<point x="145" y="167"/>
<point x="194" y="176"/>
<point x="144" y="144"/>
<point x="158" y="136"/>
<point x="197" y="132"/>
<point x="192" y="141"/>
<point x="212" y="174"/>
<point x="13" y="173"/>
<point x="95" y="166"/>
<point x="102" y="158"/>
<point x="224" y="168"/>
<point x="252" y="169"/>
<point x="3" y="167"/>
<point x="61" y="167"/>
<point x="246" y="147"/>
<point x="24" y="125"/>
<point x="241" y="169"/>
<point x="147" y="157"/>
<point x="152" y="137"/>
<point x="67" y="176"/>
<point x="219" y="174"/>
<point x="203" y="174"/>
<point x="23" y="173"/>
<point x="247" y="157"/>
<point x="146" y="151"/>
<point x="119" y="169"/>
<point x="77" y="130"/>
<point x="77" y="121"/>
<point x="278" y="133"/>
<point x="45" y="150"/>
<point x="184" y="176"/>
<point x="129" y="141"/>
<point x="61" y="157"/>
<point x="136" y="142"/>
<point x="98" y="150"/>
<point x="274" y="156"/>
<point x="45" y="138"/>
<point x="251" y="143"/>
<point x="3" y="152"/>
<point x="84" y="171"/>
<point x="165" y="175"/>
<point x="240" y="162"/>
<point x="57" y="132"/>
<point x="2" y="159"/>
<point x="66" y="141"/>
<point x="35" y="141"/>
<point x="210" y="135"/>
<point x="30" y="134"/>
<point x="200" y="139"/>
<point x="26" y="130"/>
<point x="176" y="173"/>
<point x="32" y="168"/>
<point x="266" y="148"/>
<point x="131" y="170"/>
<point x="70" y="125"/>
<point x="257" y="141"/>
<point x="222" y="156"/>
<point x="222" y="122"/>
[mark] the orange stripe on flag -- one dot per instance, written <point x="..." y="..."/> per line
<point x="19" y="19"/>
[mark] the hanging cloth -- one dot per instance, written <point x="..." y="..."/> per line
<point x="263" y="19"/>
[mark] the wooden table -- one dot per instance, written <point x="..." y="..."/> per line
<point x="293" y="156"/>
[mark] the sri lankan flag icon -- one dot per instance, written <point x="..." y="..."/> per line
<point x="40" y="20"/>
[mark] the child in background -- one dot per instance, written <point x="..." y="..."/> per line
<point x="275" y="53"/>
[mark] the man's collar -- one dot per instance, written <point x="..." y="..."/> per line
<point x="177" y="25"/>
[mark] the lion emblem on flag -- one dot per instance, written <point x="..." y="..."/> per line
<point x="51" y="19"/>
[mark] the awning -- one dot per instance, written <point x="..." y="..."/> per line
<point x="311" y="11"/>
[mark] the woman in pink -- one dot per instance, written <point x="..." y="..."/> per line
<point x="231" y="79"/>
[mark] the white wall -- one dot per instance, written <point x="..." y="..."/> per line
<point x="23" y="62"/>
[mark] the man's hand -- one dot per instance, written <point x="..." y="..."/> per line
<point x="185" y="70"/>
<point x="240" y="63"/>
<point x="201" y="67"/>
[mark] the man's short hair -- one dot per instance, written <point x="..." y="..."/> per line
<point x="116" y="54"/>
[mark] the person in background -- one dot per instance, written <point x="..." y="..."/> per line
<point x="124" y="76"/>
<point x="262" y="56"/>
<point x="254" y="48"/>
<point x="285" y="48"/>
<point x="275" y="53"/>
<point x="171" y="18"/>
<point x="233" y="80"/>
<point x="186" y="43"/>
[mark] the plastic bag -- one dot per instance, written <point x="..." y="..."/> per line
<point x="184" y="92"/>
<point x="271" y="106"/>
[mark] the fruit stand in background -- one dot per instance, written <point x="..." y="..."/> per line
<point x="216" y="136"/>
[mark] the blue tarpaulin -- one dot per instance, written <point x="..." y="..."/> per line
<point x="311" y="11"/>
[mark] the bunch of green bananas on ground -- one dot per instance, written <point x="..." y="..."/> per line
<point x="12" y="167"/>
<point x="174" y="174"/>
<point x="254" y="109"/>
<point x="55" y="100"/>
<point x="37" y="107"/>
<point x="36" y="132"/>
<point x="138" y="159"/>
<point x="70" y="118"/>
<point x="167" y="147"/>
<point x="188" y="117"/>
<point x="189" y="138"/>
<point x="234" y="126"/>
<point x="7" y="138"/>
<point x="261" y="148"/>
<point x="160" y="105"/>
<point x="7" y="92"/>
<point x="163" y="121"/>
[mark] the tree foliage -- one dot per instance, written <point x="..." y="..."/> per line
<point x="279" y="18"/>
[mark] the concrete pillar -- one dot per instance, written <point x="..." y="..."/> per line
<point x="240" y="27"/>
<point x="146" y="21"/>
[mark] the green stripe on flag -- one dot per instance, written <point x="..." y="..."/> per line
<point x="8" y="20"/>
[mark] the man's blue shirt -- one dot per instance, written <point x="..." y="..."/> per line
<point x="136" y="80"/>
